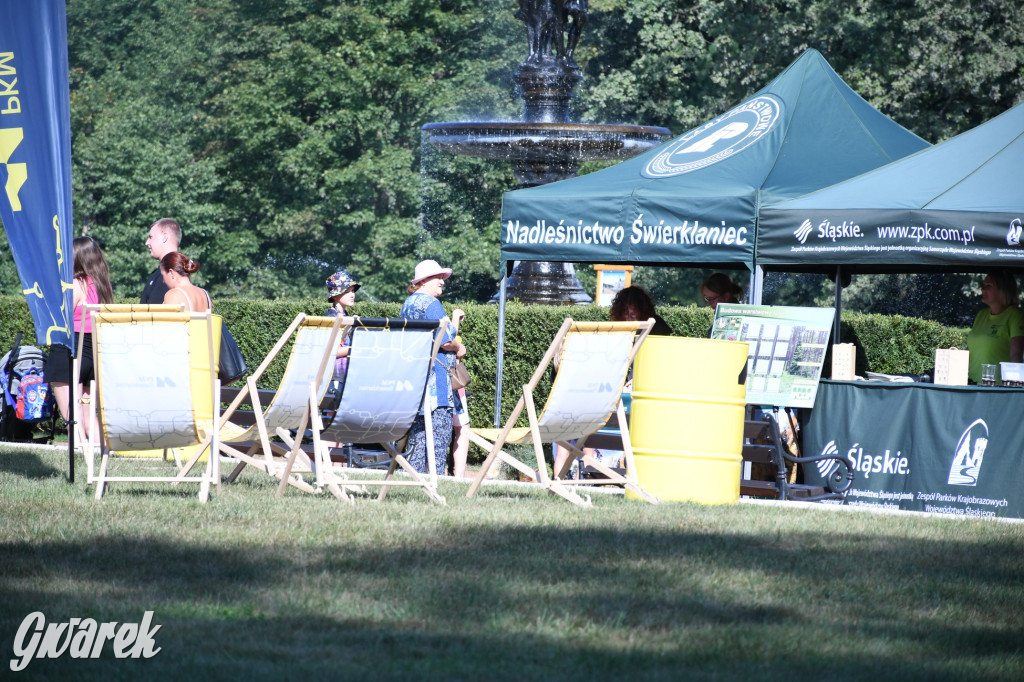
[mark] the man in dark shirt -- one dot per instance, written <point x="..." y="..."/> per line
<point x="164" y="238"/>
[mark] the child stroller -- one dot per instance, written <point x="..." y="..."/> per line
<point x="25" y="400"/>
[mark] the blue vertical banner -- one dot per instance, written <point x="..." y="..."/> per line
<point x="35" y="159"/>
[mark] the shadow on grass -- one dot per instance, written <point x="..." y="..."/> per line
<point x="531" y="602"/>
<point x="28" y="464"/>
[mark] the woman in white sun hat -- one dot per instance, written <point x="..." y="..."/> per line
<point x="424" y="290"/>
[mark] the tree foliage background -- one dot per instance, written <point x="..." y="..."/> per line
<point x="284" y="135"/>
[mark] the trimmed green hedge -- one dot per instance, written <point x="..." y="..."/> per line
<point x="887" y="344"/>
<point x="896" y="344"/>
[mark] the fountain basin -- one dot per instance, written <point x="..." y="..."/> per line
<point x="543" y="152"/>
<point x="540" y="141"/>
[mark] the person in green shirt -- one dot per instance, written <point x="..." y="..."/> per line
<point x="998" y="332"/>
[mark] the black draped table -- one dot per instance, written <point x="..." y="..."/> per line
<point x="920" y="447"/>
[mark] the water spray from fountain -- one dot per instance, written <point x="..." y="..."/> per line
<point x="546" y="145"/>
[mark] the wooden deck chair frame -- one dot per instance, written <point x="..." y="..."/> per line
<point x="493" y="441"/>
<point x="290" y="408"/>
<point x="361" y="376"/>
<point x="88" y="309"/>
<point x="183" y="424"/>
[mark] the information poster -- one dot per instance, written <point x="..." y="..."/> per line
<point x="787" y="349"/>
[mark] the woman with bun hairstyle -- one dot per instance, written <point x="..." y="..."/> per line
<point x="177" y="269"/>
<point x="998" y="333"/>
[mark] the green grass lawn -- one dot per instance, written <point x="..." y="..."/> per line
<point x="509" y="585"/>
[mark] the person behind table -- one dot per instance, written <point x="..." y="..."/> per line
<point x="424" y="290"/>
<point x="177" y="270"/>
<point x="718" y="288"/>
<point x="164" y="238"/>
<point x="634" y="304"/>
<point x="91" y="285"/>
<point x="998" y="331"/>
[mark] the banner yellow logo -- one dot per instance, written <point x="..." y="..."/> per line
<point x="17" y="173"/>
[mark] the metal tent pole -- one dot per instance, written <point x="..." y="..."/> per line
<point x="71" y="419"/>
<point x="501" y="347"/>
<point x="839" y="303"/>
<point x="756" y="286"/>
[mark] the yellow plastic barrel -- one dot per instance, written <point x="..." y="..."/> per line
<point x="686" y="423"/>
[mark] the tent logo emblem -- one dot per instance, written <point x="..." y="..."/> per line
<point x="725" y="136"/>
<point x="1013" y="236"/>
<point x="804" y="231"/>
<point x="970" y="450"/>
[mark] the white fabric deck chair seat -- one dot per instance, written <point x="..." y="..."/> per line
<point x="310" y="366"/>
<point x="594" y="362"/>
<point x="155" y="388"/>
<point x="390" y="363"/>
<point x="88" y="310"/>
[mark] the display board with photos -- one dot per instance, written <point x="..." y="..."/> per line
<point x="611" y="279"/>
<point x="787" y="347"/>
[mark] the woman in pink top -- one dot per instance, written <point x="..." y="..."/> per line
<point x="91" y="285"/>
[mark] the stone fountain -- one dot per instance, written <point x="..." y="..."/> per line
<point x="546" y="146"/>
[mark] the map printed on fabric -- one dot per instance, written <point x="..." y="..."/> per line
<point x="787" y="349"/>
<point x="384" y="385"/>
<point x="144" y="386"/>
<point x="588" y="384"/>
<point x="292" y="397"/>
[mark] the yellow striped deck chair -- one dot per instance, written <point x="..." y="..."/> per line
<point x="156" y="387"/>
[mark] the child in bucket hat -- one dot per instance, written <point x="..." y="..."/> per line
<point x="341" y="293"/>
<point x="337" y="285"/>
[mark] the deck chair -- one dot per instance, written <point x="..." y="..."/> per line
<point x="308" y="372"/>
<point x="595" y="359"/>
<point x="156" y="387"/>
<point x="390" y="362"/>
<point x="90" y="308"/>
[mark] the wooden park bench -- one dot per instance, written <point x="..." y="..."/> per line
<point x="762" y="444"/>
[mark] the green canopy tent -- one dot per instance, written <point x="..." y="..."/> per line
<point x="958" y="204"/>
<point x="695" y="200"/>
<point x="954" y="207"/>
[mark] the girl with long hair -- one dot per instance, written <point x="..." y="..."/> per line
<point x="91" y="285"/>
